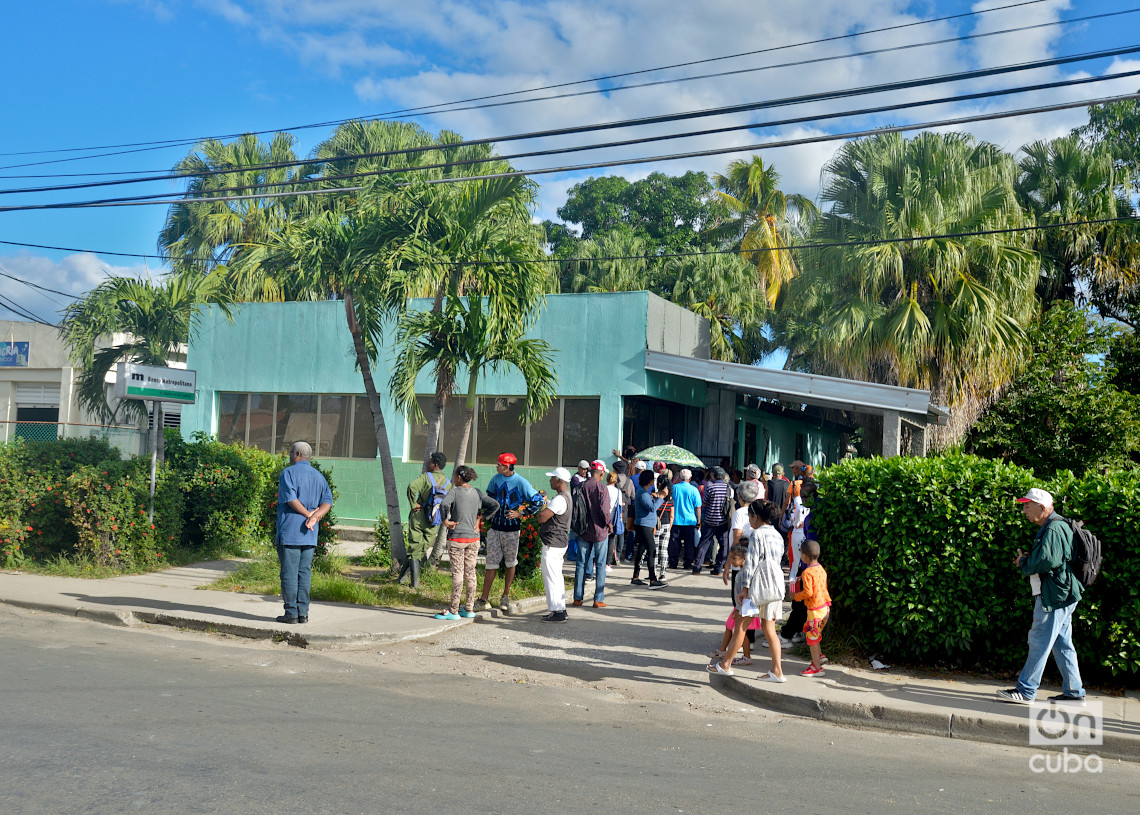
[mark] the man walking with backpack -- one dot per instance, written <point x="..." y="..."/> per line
<point x="1056" y="591"/>
<point x="425" y="494"/>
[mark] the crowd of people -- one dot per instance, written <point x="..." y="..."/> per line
<point x="745" y="528"/>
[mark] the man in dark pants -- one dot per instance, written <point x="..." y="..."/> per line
<point x="686" y="519"/>
<point x="716" y="520"/>
<point x="303" y="498"/>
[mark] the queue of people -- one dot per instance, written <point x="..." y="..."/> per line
<point x="751" y="524"/>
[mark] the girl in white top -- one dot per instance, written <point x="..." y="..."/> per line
<point x="617" y="499"/>
<point x="763" y="568"/>
<point x="760" y="578"/>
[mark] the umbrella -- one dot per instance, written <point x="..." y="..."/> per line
<point x="671" y="454"/>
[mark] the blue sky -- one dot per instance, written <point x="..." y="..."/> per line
<point x="85" y="73"/>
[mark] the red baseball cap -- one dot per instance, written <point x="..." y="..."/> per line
<point x="599" y="464"/>
<point x="660" y="467"/>
<point x="508" y="459"/>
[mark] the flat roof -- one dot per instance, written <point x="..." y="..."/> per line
<point x="807" y="389"/>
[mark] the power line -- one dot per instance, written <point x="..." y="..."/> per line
<point x="162" y="144"/>
<point x="797" y="63"/>
<point x="150" y="200"/>
<point x="578" y="129"/>
<point x="5" y="273"/>
<point x="622" y="143"/>
<point x="698" y="253"/>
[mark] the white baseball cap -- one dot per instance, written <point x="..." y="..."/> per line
<point x="583" y="465"/>
<point x="561" y="473"/>
<point x="1037" y="496"/>
<point x="640" y="465"/>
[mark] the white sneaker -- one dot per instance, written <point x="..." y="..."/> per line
<point x="609" y="570"/>
<point x="796" y="638"/>
<point x="784" y="640"/>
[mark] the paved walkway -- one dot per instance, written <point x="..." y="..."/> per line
<point x="964" y="708"/>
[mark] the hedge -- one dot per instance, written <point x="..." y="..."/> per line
<point x="76" y="496"/>
<point x="919" y="559"/>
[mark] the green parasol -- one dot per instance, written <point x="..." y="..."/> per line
<point x="671" y="454"/>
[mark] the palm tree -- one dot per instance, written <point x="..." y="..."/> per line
<point x="723" y="289"/>
<point x="1064" y="181"/>
<point x="616" y="260"/>
<point x="942" y="313"/>
<point x="337" y="254"/>
<point x="763" y="221"/>
<point x="465" y="337"/>
<point x="204" y="235"/>
<point x="156" y="321"/>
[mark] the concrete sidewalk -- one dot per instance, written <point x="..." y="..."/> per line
<point x="962" y="708"/>
<point x="173" y="597"/>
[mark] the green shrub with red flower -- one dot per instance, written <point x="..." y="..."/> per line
<point x="530" y="547"/>
<point x="77" y="497"/>
<point x="109" y="509"/>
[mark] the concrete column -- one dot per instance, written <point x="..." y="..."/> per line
<point x="892" y="433"/>
<point x="918" y="440"/>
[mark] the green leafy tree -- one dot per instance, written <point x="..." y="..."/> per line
<point x="723" y="289"/>
<point x="1063" y="412"/>
<point x="201" y="235"/>
<point x="939" y="313"/>
<point x="151" y="321"/>
<point x="1064" y="181"/>
<point x="466" y="338"/>
<point x="669" y="213"/>
<point x="1116" y="127"/>
<point x="762" y="221"/>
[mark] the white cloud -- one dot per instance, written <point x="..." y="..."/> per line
<point x="73" y="274"/>
<point x="401" y="55"/>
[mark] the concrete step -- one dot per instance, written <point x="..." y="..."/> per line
<point x="354" y="533"/>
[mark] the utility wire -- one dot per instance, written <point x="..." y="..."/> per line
<point x="295" y="182"/>
<point x="5" y="273"/>
<point x="162" y="144"/>
<point x="698" y="253"/>
<point x="150" y="200"/>
<point x="637" y="122"/>
<point x="797" y="63"/>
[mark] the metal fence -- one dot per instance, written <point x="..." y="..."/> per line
<point x="129" y="441"/>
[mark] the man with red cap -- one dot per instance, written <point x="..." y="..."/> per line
<point x="516" y="498"/>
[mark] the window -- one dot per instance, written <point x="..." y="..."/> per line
<point x="579" y="430"/>
<point x="336" y="425"/>
<point x="568" y="430"/>
<point x="296" y="420"/>
<point x="543" y="441"/>
<point x="261" y="421"/>
<point x="500" y="428"/>
<point x="363" y="432"/>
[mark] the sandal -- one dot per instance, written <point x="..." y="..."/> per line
<point x="771" y="677"/>
<point x="714" y="668"/>
<point x="742" y="661"/>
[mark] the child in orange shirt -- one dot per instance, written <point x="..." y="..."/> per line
<point x="813" y="580"/>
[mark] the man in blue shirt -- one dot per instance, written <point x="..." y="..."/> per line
<point x="516" y="497"/>
<point x="303" y="498"/>
<point x="686" y="517"/>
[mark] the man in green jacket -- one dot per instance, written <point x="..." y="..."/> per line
<point x="420" y="532"/>
<point x="1056" y="592"/>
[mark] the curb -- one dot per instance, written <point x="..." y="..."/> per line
<point x="927" y="723"/>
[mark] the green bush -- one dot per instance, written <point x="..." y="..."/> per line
<point x="918" y="554"/>
<point x="379" y="554"/>
<point x="108" y="508"/>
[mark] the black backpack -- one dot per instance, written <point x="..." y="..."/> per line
<point x="1087" y="555"/>
<point x="580" y="513"/>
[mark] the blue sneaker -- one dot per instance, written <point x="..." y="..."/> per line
<point x="446" y="615"/>
<point x="465" y="613"/>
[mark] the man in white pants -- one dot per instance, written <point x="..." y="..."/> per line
<point x="554" y="532"/>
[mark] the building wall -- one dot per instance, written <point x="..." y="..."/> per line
<point x="777" y="439"/>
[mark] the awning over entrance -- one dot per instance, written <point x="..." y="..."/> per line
<point x="889" y="401"/>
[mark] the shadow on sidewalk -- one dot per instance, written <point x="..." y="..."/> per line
<point x="591" y="670"/>
<point x="158" y="605"/>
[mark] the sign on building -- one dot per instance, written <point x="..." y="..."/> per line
<point x="147" y="382"/>
<point x="14" y="354"/>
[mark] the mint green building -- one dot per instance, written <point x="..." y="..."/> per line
<point x="633" y="369"/>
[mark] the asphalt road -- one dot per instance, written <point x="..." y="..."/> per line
<point x="96" y="719"/>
